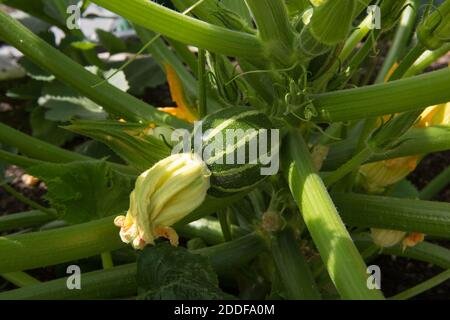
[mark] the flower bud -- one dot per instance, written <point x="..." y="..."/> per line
<point x="434" y="31"/>
<point x="386" y="238"/>
<point x="163" y="195"/>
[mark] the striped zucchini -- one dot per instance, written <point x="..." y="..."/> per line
<point x="227" y="136"/>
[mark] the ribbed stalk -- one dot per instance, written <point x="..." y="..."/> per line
<point x="359" y="210"/>
<point x="274" y="28"/>
<point x="292" y="268"/>
<point x="186" y="29"/>
<point x="36" y="148"/>
<point x="381" y="99"/>
<point x="226" y="256"/>
<point x="402" y="36"/>
<point x="24" y="220"/>
<point x="77" y="77"/>
<point x="41" y="150"/>
<point x="209" y="230"/>
<point x="117" y="282"/>
<point x="408" y="61"/>
<point x="424" y="251"/>
<point x="120" y="282"/>
<point x="416" y="141"/>
<point x="340" y="256"/>
<point x="39" y="249"/>
<point x="427" y="60"/>
<point x="352" y="42"/>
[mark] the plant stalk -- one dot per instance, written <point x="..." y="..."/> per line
<point x="343" y="261"/>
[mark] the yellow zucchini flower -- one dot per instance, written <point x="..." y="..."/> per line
<point x="377" y="176"/>
<point x="183" y="111"/>
<point x="163" y="195"/>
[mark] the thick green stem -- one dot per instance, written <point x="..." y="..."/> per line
<point x="120" y="282"/>
<point x="343" y="261"/>
<point x="427" y="60"/>
<point x="76" y="76"/>
<point x="424" y="251"/>
<point x="381" y="99"/>
<point x="20" y="279"/>
<point x="36" y="148"/>
<point x="292" y="268"/>
<point x="24" y="220"/>
<point x="41" y="150"/>
<point x="226" y="256"/>
<point x="39" y="249"/>
<point x="274" y="28"/>
<point x="117" y="282"/>
<point x="402" y="36"/>
<point x="408" y="61"/>
<point x="186" y="29"/>
<point x="352" y="42"/>
<point x="417" y="141"/>
<point x="359" y="210"/>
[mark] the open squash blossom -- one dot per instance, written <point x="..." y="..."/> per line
<point x="183" y="111"/>
<point x="377" y="176"/>
<point x="163" y="195"/>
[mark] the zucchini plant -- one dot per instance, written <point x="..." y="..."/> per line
<point x="282" y="169"/>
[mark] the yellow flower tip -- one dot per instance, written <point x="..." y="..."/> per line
<point x="163" y="195"/>
<point x="122" y="120"/>
<point x="119" y="221"/>
<point x="413" y="239"/>
<point x="183" y="110"/>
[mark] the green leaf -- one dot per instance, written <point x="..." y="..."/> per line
<point x="166" y="272"/>
<point x="35" y="72"/>
<point x="84" y="191"/>
<point x="48" y="130"/>
<point x="129" y="140"/>
<point x="110" y="42"/>
<point x="30" y="90"/>
<point x="64" y="104"/>
<point x="144" y="73"/>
